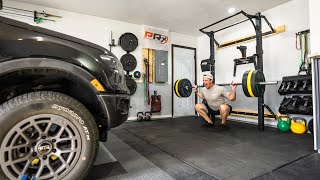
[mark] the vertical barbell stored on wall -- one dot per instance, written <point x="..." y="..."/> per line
<point x="253" y="85"/>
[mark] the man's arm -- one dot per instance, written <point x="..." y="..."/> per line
<point x="194" y="87"/>
<point x="200" y="95"/>
<point x="232" y="95"/>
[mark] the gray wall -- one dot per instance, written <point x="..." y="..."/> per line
<point x="138" y="104"/>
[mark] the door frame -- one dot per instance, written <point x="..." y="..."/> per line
<point x="172" y="71"/>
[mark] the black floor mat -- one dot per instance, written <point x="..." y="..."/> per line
<point x="169" y="164"/>
<point x="240" y="153"/>
<point x="305" y="168"/>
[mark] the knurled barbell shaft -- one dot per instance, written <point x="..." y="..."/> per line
<point x="261" y="83"/>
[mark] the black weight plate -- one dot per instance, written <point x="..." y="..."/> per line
<point x="132" y="85"/>
<point x="185" y="88"/>
<point x="128" y="42"/>
<point x="129" y="62"/>
<point x="244" y="83"/>
<point x="257" y="89"/>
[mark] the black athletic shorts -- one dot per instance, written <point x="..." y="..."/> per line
<point x="211" y="111"/>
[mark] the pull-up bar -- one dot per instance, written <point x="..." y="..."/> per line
<point x="231" y="25"/>
<point x="250" y="17"/>
<point x="201" y="30"/>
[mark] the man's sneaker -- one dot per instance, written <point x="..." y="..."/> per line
<point x="207" y="125"/>
<point x="223" y="127"/>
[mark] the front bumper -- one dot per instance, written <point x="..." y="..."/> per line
<point x="116" y="108"/>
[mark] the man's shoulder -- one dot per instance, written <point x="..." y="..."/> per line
<point x="220" y="88"/>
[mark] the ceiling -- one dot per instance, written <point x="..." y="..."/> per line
<point x="182" y="16"/>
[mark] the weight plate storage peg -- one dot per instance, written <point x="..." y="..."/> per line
<point x="128" y="62"/>
<point x="128" y="42"/>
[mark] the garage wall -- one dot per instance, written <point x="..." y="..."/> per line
<point x="315" y="26"/>
<point x="97" y="30"/>
<point x="280" y="55"/>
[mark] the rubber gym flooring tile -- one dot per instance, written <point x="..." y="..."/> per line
<point x="171" y="165"/>
<point x="242" y="152"/>
<point x="117" y="160"/>
<point x="305" y="168"/>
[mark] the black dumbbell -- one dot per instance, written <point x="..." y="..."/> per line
<point x="287" y="88"/>
<point x="284" y="104"/>
<point x="310" y="87"/>
<point x="140" y="116"/>
<point x="306" y="107"/>
<point x="294" y="106"/>
<point x="147" y="116"/>
<point x="304" y="86"/>
<point x="282" y="87"/>
<point x="294" y="88"/>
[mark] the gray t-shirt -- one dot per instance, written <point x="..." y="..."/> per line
<point x="215" y="96"/>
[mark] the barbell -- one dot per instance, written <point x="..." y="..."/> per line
<point x="253" y="84"/>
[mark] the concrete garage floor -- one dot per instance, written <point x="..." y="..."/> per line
<point x="181" y="149"/>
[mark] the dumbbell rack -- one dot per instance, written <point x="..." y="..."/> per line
<point x="296" y="86"/>
<point x="259" y="50"/>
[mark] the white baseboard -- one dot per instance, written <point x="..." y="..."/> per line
<point x="269" y="123"/>
<point x="231" y="118"/>
<point x="152" y="117"/>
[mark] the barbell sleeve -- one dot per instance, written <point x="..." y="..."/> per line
<point x="268" y="83"/>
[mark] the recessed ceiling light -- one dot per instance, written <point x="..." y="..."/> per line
<point x="231" y="10"/>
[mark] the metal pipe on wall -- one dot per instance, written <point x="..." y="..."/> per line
<point x="316" y="105"/>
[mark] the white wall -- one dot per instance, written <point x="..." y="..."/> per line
<point x="315" y="26"/>
<point x="97" y="30"/>
<point x="280" y="55"/>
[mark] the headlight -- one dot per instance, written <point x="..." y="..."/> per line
<point x="113" y="63"/>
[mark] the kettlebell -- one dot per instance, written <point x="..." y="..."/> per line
<point x="147" y="116"/>
<point x="298" y="125"/>
<point x="283" y="125"/>
<point x="310" y="126"/>
<point x="140" y="116"/>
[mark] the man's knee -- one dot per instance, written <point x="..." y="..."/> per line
<point x="198" y="107"/>
<point x="224" y="108"/>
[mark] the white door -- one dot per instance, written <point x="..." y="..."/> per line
<point x="183" y="67"/>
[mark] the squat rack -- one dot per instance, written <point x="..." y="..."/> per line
<point x="259" y="51"/>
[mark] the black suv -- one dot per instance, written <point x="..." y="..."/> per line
<point x="59" y="96"/>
